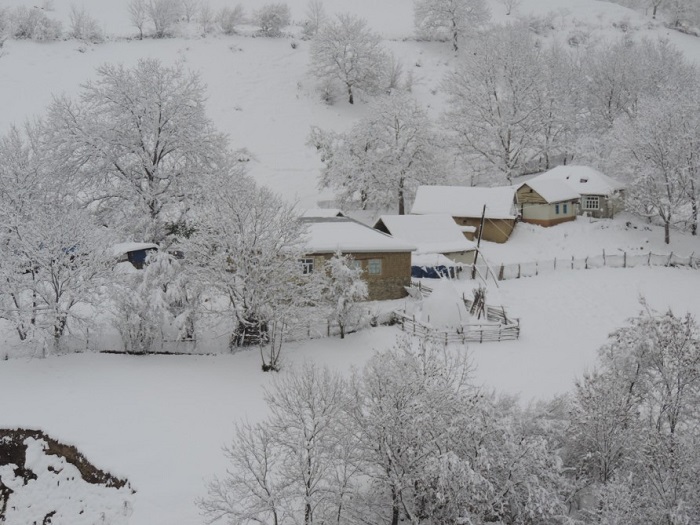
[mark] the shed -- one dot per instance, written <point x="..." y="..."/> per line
<point x="465" y="205"/>
<point x="386" y="261"/>
<point x="134" y="252"/>
<point x="431" y="234"/>
<point x="600" y="195"/>
<point x="546" y="202"/>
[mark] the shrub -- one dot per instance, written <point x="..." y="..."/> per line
<point x="34" y="24"/>
<point x="83" y="26"/>
<point x="272" y="18"/>
<point x="228" y="18"/>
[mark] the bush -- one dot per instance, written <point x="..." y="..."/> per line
<point x="33" y="24"/>
<point x="228" y="18"/>
<point x="272" y="18"/>
<point x="83" y="26"/>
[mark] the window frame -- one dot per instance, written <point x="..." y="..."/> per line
<point x="374" y="267"/>
<point x="591" y="198"/>
<point x="307" y="265"/>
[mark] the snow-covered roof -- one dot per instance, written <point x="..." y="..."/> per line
<point x="431" y="260"/>
<point x="126" y="247"/>
<point x="552" y="190"/>
<point x="429" y="233"/>
<point x="465" y="201"/>
<point x="323" y="212"/>
<point x="583" y="179"/>
<point x="331" y="234"/>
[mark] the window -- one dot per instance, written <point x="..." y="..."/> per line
<point x="355" y="264"/>
<point x="307" y="266"/>
<point x="556" y="209"/>
<point x="566" y="208"/>
<point x="591" y="202"/>
<point x="374" y="266"/>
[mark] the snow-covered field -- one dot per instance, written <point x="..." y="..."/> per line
<point x="160" y="421"/>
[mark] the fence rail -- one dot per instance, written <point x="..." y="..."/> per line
<point x="499" y="327"/>
<point x="604" y="260"/>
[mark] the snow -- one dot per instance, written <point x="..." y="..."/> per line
<point x="322" y="213"/>
<point x="582" y="179"/>
<point x="431" y="260"/>
<point x="463" y="201"/>
<point x="444" y="308"/>
<point x="126" y="247"/>
<point x="552" y="190"/>
<point x="429" y="233"/>
<point x="329" y="235"/>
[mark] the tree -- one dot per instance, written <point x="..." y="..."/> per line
<point x="344" y="287"/>
<point x="272" y="18"/>
<point x="189" y="9"/>
<point x="346" y="50"/>
<point x="138" y="15"/>
<point x="450" y="18"/>
<point x="83" y="26"/>
<point x="246" y="246"/>
<point x="163" y="14"/>
<point x="55" y="259"/>
<point x="138" y="141"/>
<point x="384" y="157"/>
<point x="315" y="18"/>
<point x="495" y="102"/>
<point x="228" y="18"/>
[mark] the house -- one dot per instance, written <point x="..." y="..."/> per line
<point x="600" y="196"/>
<point x="133" y="252"/>
<point x="430" y="234"/>
<point x="386" y="261"/>
<point x="322" y="212"/>
<point x="466" y="204"/>
<point x="546" y="201"/>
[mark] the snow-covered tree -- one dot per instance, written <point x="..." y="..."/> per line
<point x="138" y="15"/>
<point x="449" y="19"/>
<point x="495" y="101"/>
<point x="189" y="9"/>
<point x="230" y="17"/>
<point x="138" y="141"/>
<point x="384" y="157"/>
<point x="347" y="51"/>
<point x="344" y="287"/>
<point x="83" y="26"/>
<point x="272" y="18"/>
<point x="315" y="18"/>
<point x="54" y="257"/>
<point x="246" y="245"/>
<point x="163" y="14"/>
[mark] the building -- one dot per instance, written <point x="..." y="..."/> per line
<point x="465" y="205"/>
<point x="386" y="262"/>
<point x="600" y="196"/>
<point x="133" y="252"/>
<point x="430" y="234"/>
<point x="546" y="201"/>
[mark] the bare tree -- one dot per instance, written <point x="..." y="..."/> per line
<point x="346" y="50"/>
<point x="228" y="18"/>
<point x="163" y="14"/>
<point x="315" y="17"/>
<point x="189" y="9"/>
<point x="83" y="26"/>
<point x="452" y="19"/>
<point x="271" y="18"/>
<point x="138" y="15"/>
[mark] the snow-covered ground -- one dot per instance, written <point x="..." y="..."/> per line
<point x="160" y="421"/>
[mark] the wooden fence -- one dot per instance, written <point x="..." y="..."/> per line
<point x="499" y="327"/>
<point x="604" y="260"/>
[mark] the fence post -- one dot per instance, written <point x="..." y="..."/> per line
<point x="624" y="259"/>
<point x="603" y="256"/>
<point x="690" y="261"/>
<point x="329" y="328"/>
<point x="518" y="270"/>
<point x="445" y="338"/>
<point x="481" y="335"/>
<point x="649" y="259"/>
<point x="668" y="263"/>
<point x="414" y="323"/>
<point x="555" y="263"/>
<point x="586" y="264"/>
<point x="572" y="262"/>
<point x="500" y="273"/>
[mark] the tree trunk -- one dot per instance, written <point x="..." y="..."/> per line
<point x="667" y="232"/>
<point x="402" y="200"/>
<point x="342" y="331"/>
<point x="694" y="209"/>
<point x="351" y="99"/>
<point x="455" y="35"/>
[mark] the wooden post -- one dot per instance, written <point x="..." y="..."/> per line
<point x="537" y="270"/>
<point x="518" y="270"/>
<point x="586" y="263"/>
<point x="649" y="259"/>
<point x="414" y="324"/>
<point x="690" y="261"/>
<point x="624" y="259"/>
<point x="555" y="263"/>
<point x="478" y="240"/>
<point x="500" y="272"/>
<point x="668" y="263"/>
<point x="572" y="262"/>
<point x="603" y="256"/>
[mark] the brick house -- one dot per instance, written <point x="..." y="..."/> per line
<point x="386" y="261"/>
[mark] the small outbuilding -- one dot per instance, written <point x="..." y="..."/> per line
<point x="600" y="195"/>
<point x="386" y="262"/>
<point x="465" y="205"/>
<point x="134" y="252"/>
<point x="546" y="201"/>
<point x="431" y="234"/>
